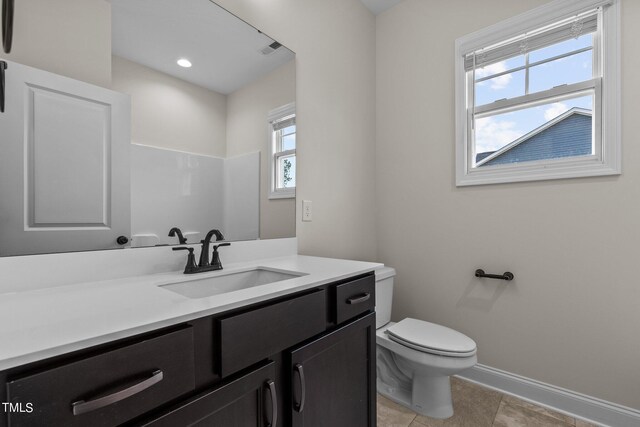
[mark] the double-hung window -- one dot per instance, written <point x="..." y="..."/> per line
<point x="537" y="96"/>
<point x="282" y="147"/>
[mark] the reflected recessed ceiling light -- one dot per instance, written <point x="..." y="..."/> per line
<point x="184" y="63"/>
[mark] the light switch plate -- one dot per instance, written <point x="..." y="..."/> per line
<point x="307" y="210"/>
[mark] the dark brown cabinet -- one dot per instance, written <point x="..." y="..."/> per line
<point x="248" y="401"/>
<point x="353" y="298"/>
<point x="109" y="388"/>
<point x="249" y="337"/>
<point x="333" y="378"/>
<point x="305" y="359"/>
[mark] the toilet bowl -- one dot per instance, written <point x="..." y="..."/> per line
<point x="415" y="358"/>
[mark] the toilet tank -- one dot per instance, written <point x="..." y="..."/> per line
<point x="384" y="295"/>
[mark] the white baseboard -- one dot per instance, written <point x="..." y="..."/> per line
<point x="559" y="399"/>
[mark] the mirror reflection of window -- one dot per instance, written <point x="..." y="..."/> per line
<point x="282" y="127"/>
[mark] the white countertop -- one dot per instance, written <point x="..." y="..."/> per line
<point x="43" y="323"/>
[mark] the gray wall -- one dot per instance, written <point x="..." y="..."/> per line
<point x="247" y="111"/>
<point x="334" y="41"/>
<point x="56" y="36"/>
<point x="571" y="316"/>
<point x="167" y="112"/>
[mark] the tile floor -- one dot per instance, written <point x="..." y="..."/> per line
<point x="476" y="406"/>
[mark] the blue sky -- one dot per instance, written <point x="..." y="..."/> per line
<point x="496" y="131"/>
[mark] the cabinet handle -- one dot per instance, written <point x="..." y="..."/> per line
<point x="3" y="67"/>
<point x="274" y="403"/>
<point x="361" y="298"/>
<point x="7" y="24"/>
<point x="299" y="407"/>
<point x="82" y="407"/>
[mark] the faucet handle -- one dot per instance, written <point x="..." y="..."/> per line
<point x="215" y="257"/>
<point x="191" y="266"/>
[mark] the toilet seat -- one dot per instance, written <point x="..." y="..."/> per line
<point x="430" y="338"/>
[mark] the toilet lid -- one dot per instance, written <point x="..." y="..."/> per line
<point x="431" y="338"/>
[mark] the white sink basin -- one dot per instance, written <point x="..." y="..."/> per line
<point x="234" y="281"/>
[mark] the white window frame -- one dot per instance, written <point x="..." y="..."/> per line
<point x="607" y="125"/>
<point x="275" y="116"/>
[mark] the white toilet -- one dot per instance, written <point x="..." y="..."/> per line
<point x="415" y="358"/>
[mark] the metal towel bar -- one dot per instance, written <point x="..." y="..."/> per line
<point x="508" y="276"/>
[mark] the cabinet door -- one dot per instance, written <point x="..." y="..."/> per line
<point x="248" y="401"/>
<point x="64" y="164"/>
<point x="333" y="378"/>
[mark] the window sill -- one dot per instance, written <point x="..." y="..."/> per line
<point x="591" y="166"/>
<point x="283" y="194"/>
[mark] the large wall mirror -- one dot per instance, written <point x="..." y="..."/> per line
<point x="126" y="118"/>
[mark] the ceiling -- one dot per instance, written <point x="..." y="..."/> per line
<point x="379" y="6"/>
<point x="224" y="51"/>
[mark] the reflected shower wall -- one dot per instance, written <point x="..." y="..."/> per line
<point x="193" y="192"/>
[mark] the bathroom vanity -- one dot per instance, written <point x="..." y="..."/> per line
<point x="295" y="352"/>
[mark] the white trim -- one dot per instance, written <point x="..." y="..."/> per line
<point x="537" y="98"/>
<point x="274" y="115"/>
<point x="608" y="159"/>
<point x="282" y="194"/>
<point x="611" y="88"/>
<point x="285" y="153"/>
<point x="569" y="402"/>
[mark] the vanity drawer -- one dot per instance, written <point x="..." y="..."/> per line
<point x="109" y="388"/>
<point x="354" y="298"/>
<point x="252" y="336"/>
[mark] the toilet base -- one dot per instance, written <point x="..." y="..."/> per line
<point x="431" y="396"/>
<point x="426" y="395"/>
<point x="433" y="399"/>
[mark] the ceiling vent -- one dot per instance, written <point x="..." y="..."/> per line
<point x="268" y="50"/>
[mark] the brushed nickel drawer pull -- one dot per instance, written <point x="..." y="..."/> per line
<point x="361" y="298"/>
<point x="82" y="407"/>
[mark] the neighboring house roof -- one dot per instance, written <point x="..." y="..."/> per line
<point x="482" y="156"/>
<point x="567" y="135"/>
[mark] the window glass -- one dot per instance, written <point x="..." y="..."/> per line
<point x="287" y="171"/>
<point x="289" y="138"/>
<point x="568" y="70"/>
<point x="567" y="46"/>
<point x="505" y="86"/>
<point x="553" y="130"/>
